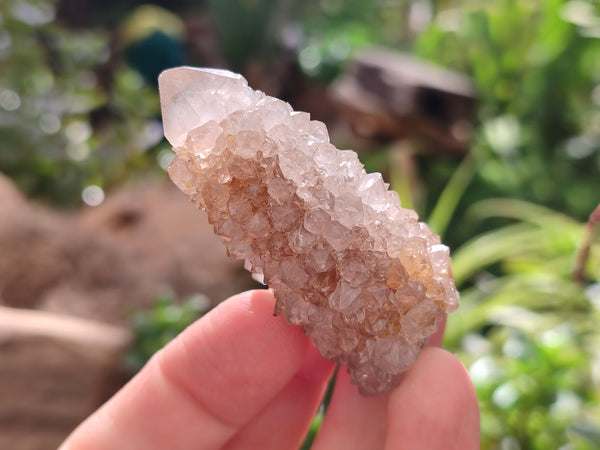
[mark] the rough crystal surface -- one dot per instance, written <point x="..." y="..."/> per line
<point x="362" y="276"/>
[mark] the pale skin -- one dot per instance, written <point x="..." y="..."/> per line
<point x="240" y="378"/>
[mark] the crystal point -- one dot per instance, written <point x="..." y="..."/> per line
<point x="362" y="276"/>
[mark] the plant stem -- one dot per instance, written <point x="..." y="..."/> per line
<point x="448" y="201"/>
<point x="584" y="251"/>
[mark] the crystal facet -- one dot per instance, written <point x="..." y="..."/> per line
<point x="365" y="279"/>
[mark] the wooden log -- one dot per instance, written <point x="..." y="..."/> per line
<point x="54" y="371"/>
<point x="390" y="96"/>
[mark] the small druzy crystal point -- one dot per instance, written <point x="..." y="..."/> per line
<point x="365" y="279"/>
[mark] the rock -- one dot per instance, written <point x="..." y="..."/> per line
<point x="55" y="370"/>
<point x="362" y="276"/>
<point x="177" y="245"/>
<point x="104" y="262"/>
<point x="389" y="96"/>
<point x="9" y="194"/>
<point x="42" y="251"/>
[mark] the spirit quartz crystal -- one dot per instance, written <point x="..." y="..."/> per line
<point x="361" y="275"/>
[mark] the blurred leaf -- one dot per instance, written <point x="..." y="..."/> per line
<point x="447" y="202"/>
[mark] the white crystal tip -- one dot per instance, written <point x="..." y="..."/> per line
<point x="190" y="96"/>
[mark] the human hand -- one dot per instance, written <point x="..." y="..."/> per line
<point x="240" y="378"/>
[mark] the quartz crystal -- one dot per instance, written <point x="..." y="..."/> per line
<point x="361" y="275"/>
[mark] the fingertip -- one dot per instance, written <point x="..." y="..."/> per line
<point x="257" y="301"/>
<point x="436" y="404"/>
<point x="352" y="421"/>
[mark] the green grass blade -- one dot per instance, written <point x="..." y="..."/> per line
<point x="519" y="210"/>
<point x="443" y="211"/>
<point x="492" y="247"/>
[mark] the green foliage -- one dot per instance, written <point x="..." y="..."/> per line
<point x="333" y="31"/>
<point x="536" y="67"/>
<point x="312" y="432"/>
<point x="153" y="329"/>
<point x="527" y="330"/>
<point x="248" y="30"/>
<point x="68" y="116"/>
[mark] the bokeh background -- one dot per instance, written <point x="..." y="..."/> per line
<point x="484" y="115"/>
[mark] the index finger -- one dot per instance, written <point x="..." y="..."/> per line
<point x="205" y="385"/>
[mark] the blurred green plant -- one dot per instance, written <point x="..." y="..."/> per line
<point x="536" y="66"/>
<point x="527" y="328"/>
<point x="331" y="32"/>
<point x="69" y="116"/>
<point x="155" y="328"/>
<point x="312" y="431"/>
<point x="248" y="31"/>
<point x="527" y="323"/>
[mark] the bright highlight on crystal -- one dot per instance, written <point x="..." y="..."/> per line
<point x="365" y="279"/>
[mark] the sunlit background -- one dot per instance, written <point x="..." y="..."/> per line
<point x="484" y="115"/>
